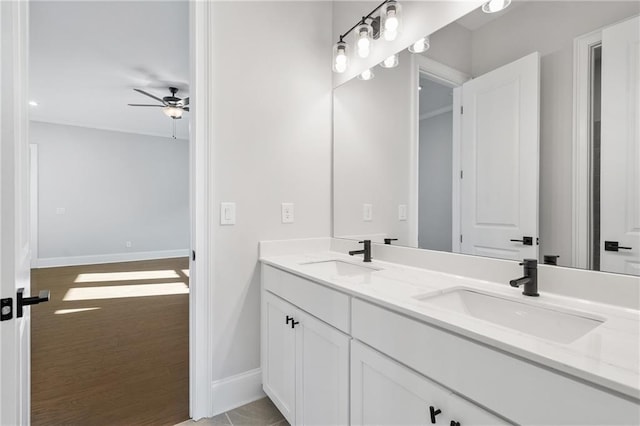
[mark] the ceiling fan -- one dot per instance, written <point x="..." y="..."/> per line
<point x="172" y="106"/>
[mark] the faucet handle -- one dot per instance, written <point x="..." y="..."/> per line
<point x="364" y="242"/>
<point x="529" y="263"/>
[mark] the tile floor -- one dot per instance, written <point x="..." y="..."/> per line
<point x="258" y="413"/>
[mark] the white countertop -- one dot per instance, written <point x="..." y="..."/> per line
<point x="608" y="355"/>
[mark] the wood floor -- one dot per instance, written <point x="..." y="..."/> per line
<point x="110" y="347"/>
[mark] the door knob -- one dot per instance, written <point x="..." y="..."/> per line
<point x="614" y="246"/>
<point x="22" y="301"/>
<point x="526" y="241"/>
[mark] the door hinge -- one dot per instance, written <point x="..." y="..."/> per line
<point x="460" y="237"/>
<point x="193" y="255"/>
<point x="6" y="309"/>
<point x="461" y="110"/>
<point x="461" y="174"/>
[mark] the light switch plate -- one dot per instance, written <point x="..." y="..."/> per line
<point x="287" y="213"/>
<point x="367" y="212"/>
<point x="402" y="212"/>
<point x="61" y="210"/>
<point x="227" y="213"/>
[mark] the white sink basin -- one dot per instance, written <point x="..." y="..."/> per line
<point x="338" y="268"/>
<point x="562" y="326"/>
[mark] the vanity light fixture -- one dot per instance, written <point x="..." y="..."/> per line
<point x="390" y="62"/>
<point x="33" y="103"/>
<point x="390" y="19"/>
<point x="420" y="46"/>
<point x="493" y="6"/>
<point x="366" y="75"/>
<point x="364" y="38"/>
<point x="368" y="29"/>
<point x="340" y="58"/>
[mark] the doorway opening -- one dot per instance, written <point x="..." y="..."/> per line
<point x="113" y="213"/>
<point x="435" y="169"/>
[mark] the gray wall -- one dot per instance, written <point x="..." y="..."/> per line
<point x="372" y="149"/>
<point x="549" y="28"/>
<point x="271" y="143"/>
<point x="434" y="208"/>
<point x="114" y="187"/>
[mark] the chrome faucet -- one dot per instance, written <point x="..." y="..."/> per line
<point x="366" y="251"/>
<point x="530" y="279"/>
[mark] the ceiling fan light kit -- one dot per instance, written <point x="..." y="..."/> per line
<point x="172" y="106"/>
<point x="172" y="111"/>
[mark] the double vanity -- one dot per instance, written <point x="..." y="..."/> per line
<point x="382" y="342"/>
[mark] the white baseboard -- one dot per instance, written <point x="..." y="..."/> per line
<point x="234" y="391"/>
<point x="107" y="258"/>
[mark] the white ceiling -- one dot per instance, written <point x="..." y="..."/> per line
<point x="86" y="58"/>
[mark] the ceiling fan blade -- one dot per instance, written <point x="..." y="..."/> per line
<point x="185" y="101"/>
<point x="145" y="105"/>
<point x="186" y="108"/>
<point x="149" y="95"/>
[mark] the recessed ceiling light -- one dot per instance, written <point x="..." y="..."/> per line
<point x="33" y="103"/>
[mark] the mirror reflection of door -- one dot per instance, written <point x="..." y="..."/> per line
<point x="618" y="246"/>
<point x="499" y="160"/>
<point x="497" y="163"/>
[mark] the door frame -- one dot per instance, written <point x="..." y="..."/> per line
<point x="581" y="199"/>
<point x="201" y="192"/>
<point x="200" y="281"/>
<point x="453" y="78"/>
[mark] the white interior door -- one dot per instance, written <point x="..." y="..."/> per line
<point x="499" y="157"/>
<point x="14" y="213"/>
<point x="620" y="149"/>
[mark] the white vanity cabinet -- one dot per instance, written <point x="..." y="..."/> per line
<point x="518" y="390"/>
<point x="305" y="362"/>
<point x="384" y="392"/>
<point x="330" y="358"/>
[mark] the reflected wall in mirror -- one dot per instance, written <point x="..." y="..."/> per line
<point x="521" y="125"/>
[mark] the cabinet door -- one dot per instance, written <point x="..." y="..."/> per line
<point x="385" y="393"/>
<point x="278" y="356"/>
<point x="322" y="373"/>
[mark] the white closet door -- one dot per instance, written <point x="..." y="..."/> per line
<point x="500" y="139"/>
<point x="620" y="148"/>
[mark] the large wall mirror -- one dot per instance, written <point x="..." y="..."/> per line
<point x="516" y="135"/>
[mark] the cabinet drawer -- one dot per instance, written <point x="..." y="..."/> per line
<point x="384" y="392"/>
<point x="521" y="391"/>
<point x="324" y="303"/>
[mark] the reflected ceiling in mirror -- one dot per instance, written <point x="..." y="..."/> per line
<point x="472" y="146"/>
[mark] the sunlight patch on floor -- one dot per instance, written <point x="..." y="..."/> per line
<point x="185" y="272"/>
<point x="73" y="311"/>
<point x="121" y="291"/>
<point x="126" y="276"/>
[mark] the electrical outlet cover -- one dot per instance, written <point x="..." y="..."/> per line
<point x="287" y="213"/>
